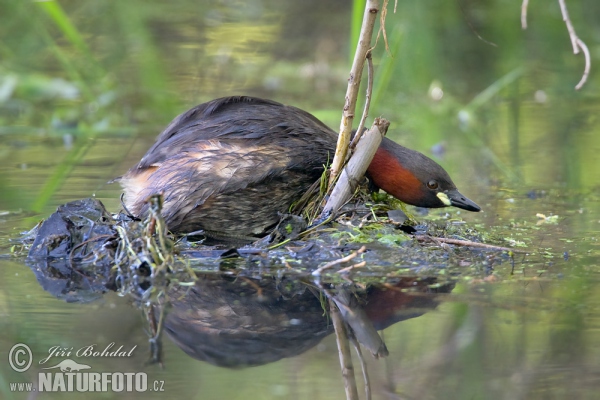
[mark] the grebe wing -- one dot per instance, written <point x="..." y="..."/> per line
<point x="259" y="121"/>
<point x="204" y="173"/>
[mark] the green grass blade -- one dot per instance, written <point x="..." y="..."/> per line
<point x="62" y="20"/>
<point x="61" y="173"/>
<point x="492" y="90"/>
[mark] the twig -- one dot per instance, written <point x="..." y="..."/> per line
<point x="366" y="32"/>
<point x="357" y="321"/>
<point x="524" y="14"/>
<point x="94" y="239"/>
<point x="350" y="176"/>
<point x="365" y="114"/>
<point x="156" y="327"/>
<point x="127" y="212"/>
<point x="464" y="14"/>
<point x="339" y="261"/>
<point x="458" y="242"/>
<point x="255" y="286"/>
<point x="577" y="43"/>
<point x="588" y="63"/>
<point x="382" y="26"/>
<point x="341" y="337"/>
<point x="350" y="268"/>
<point x="389" y="385"/>
<point x="363" y="366"/>
<point x="570" y="29"/>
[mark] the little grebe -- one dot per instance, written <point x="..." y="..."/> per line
<point x="231" y="165"/>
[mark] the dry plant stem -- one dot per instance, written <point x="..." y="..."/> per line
<point x="72" y="253"/>
<point x="356" y="318"/>
<point x="339" y="261"/>
<point x="365" y="114"/>
<point x="425" y="238"/>
<point x="570" y="29"/>
<point x="382" y="26"/>
<point x="341" y="337"/>
<point x="588" y="63"/>
<point x="364" y="43"/>
<point x="524" y="14"/>
<point x="363" y="367"/>
<point x="357" y="166"/>
<point x="155" y="333"/>
<point x="350" y="268"/>
<point x="468" y="21"/>
<point x="576" y="42"/>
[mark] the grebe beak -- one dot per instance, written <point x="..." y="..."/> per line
<point x="456" y="199"/>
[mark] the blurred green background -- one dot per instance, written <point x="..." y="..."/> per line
<point x="86" y="85"/>
<point x="103" y="70"/>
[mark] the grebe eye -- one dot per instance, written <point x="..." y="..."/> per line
<point x="432" y="184"/>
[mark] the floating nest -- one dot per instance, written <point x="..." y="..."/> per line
<point x="82" y="251"/>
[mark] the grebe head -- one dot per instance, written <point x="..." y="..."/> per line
<point x="415" y="178"/>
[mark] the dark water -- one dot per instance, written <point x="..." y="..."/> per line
<point x="530" y="147"/>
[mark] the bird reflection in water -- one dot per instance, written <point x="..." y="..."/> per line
<point x="241" y="322"/>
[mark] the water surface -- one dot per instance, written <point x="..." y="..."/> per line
<point x="522" y="331"/>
